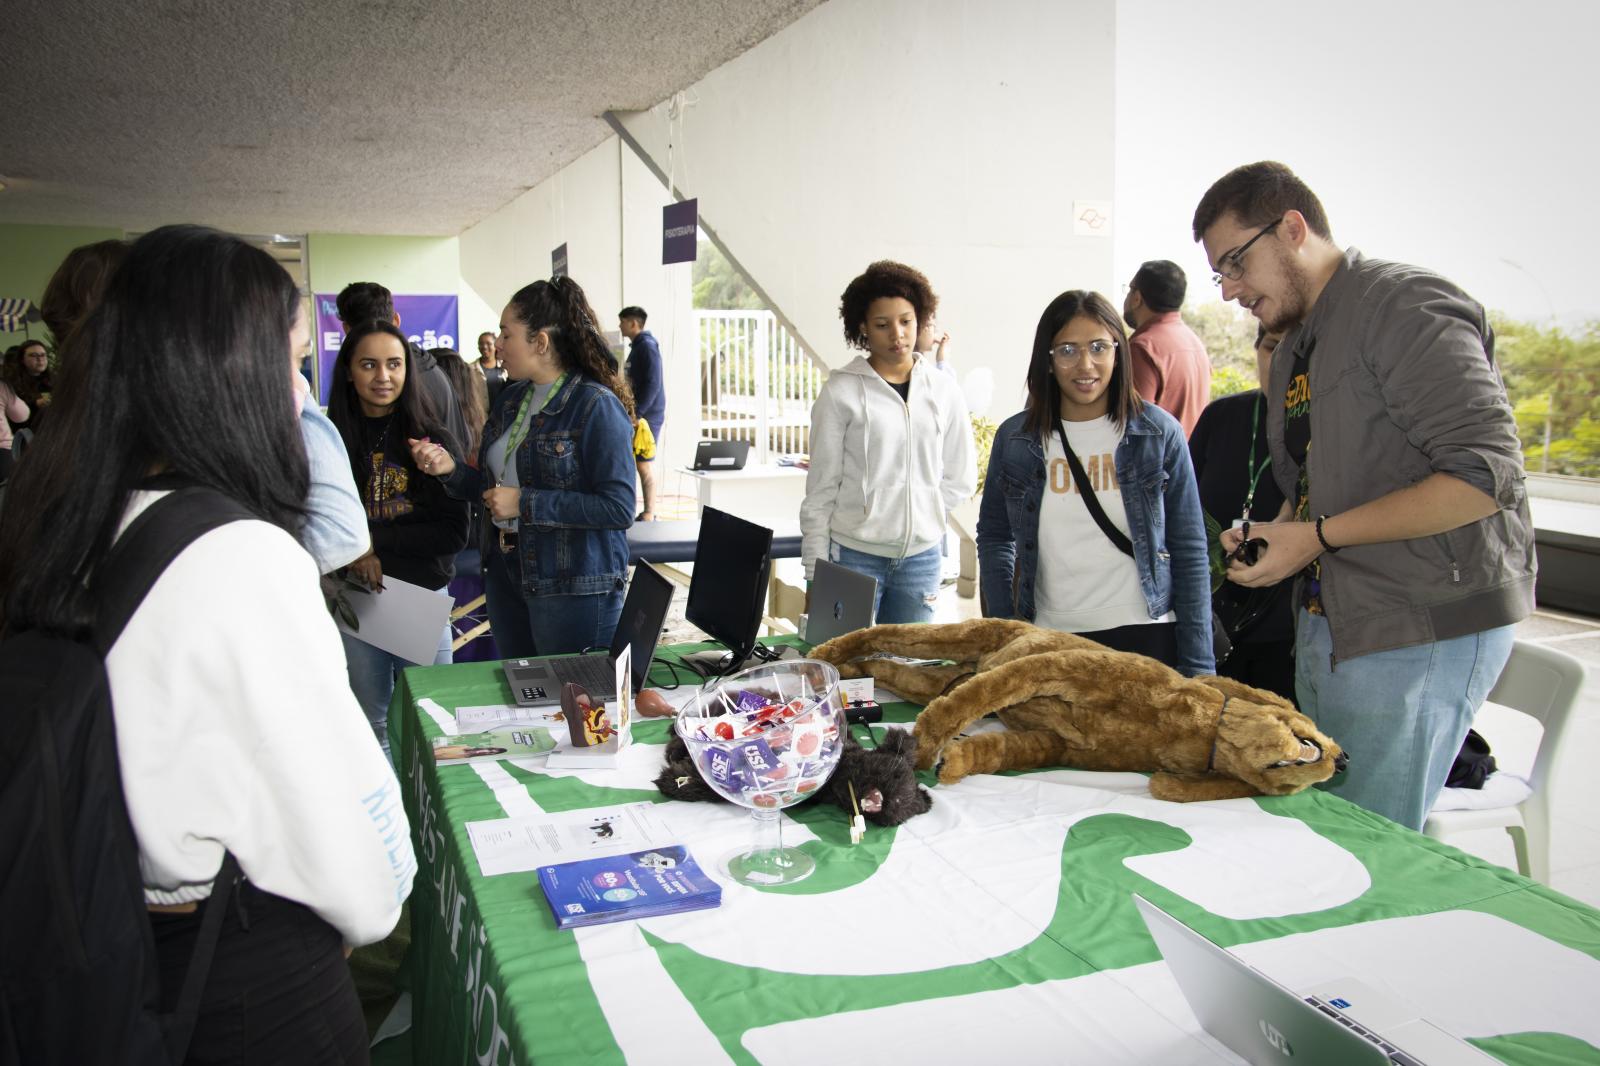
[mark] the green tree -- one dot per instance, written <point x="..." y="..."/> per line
<point x="1229" y="334"/>
<point x="1553" y="381"/>
<point x="718" y="286"/>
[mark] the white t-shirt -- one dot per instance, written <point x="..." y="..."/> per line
<point x="1085" y="583"/>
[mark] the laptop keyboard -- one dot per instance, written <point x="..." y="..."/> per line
<point x="1400" y="1058"/>
<point x="594" y="672"/>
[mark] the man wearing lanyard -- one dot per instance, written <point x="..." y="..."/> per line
<point x="1405" y="517"/>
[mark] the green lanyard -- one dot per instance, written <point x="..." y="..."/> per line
<point x="520" y="426"/>
<point x="1251" y="467"/>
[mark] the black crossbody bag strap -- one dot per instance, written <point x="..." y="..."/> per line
<point x="1081" y="479"/>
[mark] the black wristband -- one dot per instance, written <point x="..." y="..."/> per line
<point x="1329" y="548"/>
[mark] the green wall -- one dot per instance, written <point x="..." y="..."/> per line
<point x="420" y="265"/>
<point x="29" y="255"/>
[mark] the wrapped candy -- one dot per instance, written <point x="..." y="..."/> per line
<point x="772" y="749"/>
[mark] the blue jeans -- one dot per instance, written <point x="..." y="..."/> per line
<point x="544" y="625"/>
<point x="1400" y="715"/>
<point x="372" y="673"/>
<point x="907" y="587"/>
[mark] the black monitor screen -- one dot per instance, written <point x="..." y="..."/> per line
<point x="729" y="587"/>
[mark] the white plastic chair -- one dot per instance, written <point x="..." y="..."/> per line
<point x="1542" y="683"/>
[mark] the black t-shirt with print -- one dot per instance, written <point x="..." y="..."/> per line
<point x="416" y="528"/>
<point x="1297" y="441"/>
<point x="1297" y="406"/>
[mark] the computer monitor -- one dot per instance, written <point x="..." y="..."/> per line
<point x="732" y="559"/>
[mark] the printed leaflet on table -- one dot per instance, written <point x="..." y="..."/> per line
<point x="497" y="744"/>
<point x="517" y="845"/>
<point x="641" y="884"/>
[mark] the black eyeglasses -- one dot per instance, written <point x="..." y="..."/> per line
<point x="1231" y="266"/>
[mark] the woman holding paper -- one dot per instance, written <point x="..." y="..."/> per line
<point x="226" y="667"/>
<point x="416" y="528"/>
<point x="1090" y="521"/>
<point x="555" y="473"/>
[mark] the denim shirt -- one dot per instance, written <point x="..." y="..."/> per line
<point x="576" y="471"/>
<point x="1165" y="524"/>
<point x="335" y="532"/>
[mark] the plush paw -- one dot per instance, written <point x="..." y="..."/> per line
<point x="955" y="763"/>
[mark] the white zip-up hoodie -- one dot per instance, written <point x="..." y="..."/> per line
<point x="885" y="473"/>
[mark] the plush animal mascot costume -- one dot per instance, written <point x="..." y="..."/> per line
<point x="1067" y="701"/>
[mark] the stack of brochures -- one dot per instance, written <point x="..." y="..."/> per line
<point x="641" y="884"/>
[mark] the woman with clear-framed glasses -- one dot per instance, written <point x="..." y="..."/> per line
<point x="1090" y="521"/>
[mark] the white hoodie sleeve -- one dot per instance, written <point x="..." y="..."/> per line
<point x="829" y="420"/>
<point x="236" y="728"/>
<point x="959" y="479"/>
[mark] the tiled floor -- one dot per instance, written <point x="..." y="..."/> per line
<point x="1575" y="843"/>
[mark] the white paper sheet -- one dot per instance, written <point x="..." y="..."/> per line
<point x="517" y="845"/>
<point x="404" y="619"/>
<point x="497" y="716"/>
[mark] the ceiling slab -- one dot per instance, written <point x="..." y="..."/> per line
<point x="346" y="116"/>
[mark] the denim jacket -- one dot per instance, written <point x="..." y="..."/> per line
<point x="1165" y="524"/>
<point x="577" y="474"/>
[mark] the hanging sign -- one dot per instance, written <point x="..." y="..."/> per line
<point x="679" y="222"/>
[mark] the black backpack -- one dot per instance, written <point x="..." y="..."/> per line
<point x="78" y="975"/>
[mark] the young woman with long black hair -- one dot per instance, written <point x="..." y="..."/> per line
<point x="1043" y="554"/>
<point x="235" y="725"/>
<point x="555" y="473"/>
<point x="416" y="529"/>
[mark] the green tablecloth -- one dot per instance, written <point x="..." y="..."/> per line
<point x="997" y="925"/>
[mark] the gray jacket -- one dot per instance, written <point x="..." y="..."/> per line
<point x="1403" y="385"/>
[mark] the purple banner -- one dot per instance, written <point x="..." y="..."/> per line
<point x="558" y="261"/>
<point x="430" y="322"/>
<point x="678" y="224"/>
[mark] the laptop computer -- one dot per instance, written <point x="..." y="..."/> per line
<point x="841" y="602"/>
<point x="721" y="454"/>
<point x="1340" y="1023"/>
<point x="537" y="682"/>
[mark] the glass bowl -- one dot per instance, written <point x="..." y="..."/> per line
<point x="767" y="738"/>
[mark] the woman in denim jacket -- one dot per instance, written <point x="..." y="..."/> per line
<point x="1042" y="556"/>
<point x="555" y="545"/>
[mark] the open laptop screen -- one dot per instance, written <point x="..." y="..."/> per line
<point x="643" y="613"/>
<point x="732" y="560"/>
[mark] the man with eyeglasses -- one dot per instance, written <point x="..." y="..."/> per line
<point x="1405" y="515"/>
<point x="1170" y="366"/>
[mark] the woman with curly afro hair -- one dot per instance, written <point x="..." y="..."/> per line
<point x="891" y="449"/>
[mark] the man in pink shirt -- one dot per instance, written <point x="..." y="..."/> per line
<point x="1170" y="365"/>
